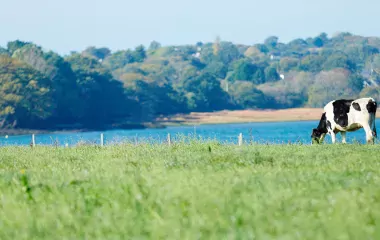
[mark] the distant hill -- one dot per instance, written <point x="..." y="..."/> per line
<point x="98" y="88"/>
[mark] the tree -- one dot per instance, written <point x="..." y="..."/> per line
<point x="271" y="74"/>
<point x="205" y="93"/>
<point x="246" y="96"/>
<point x="154" y="45"/>
<point x="216" y="46"/>
<point x="25" y="95"/>
<point x="139" y="54"/>
<point x="64" y="88"/>
<point x="355" y="82"/>
<point x="371" y="92"/>
<point x="228" y="52"/>
<point x="318" y="42"/>
<point x="323" y="36"/>
<point x="217" y="69"/>
<point x="119" y="59"/>
<point x="271" y="41"/>
<point x="100" y="92"/>
<point x="156" y="100"/>
<point x="258" y="77"/>
<point x="243" y="69"/>
<point x="338" y="60"/>
<point x="311" y="63"/>
<point x="288" y="63"/>
<point x="99" y="53"/>
<point x="14" y="45"/>
<point x="330" y="85"/>
<point x="262" y="48"/>
<point x="290" y="92"/>
<point x="3" y="51"/>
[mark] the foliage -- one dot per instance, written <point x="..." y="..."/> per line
<point x="205" y="93"/>
<point x="99" y="53"/>
<point x="154" y="45"/>
<point x="290" y="92"/>
<point x="99" y="91"/>
<point x="25" y="95"/>
<point x="330" y="85"/>
<point x="98" y="87"/>
<point x="246" y="95"/>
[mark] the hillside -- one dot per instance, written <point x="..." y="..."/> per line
<point x="98" y="88"/>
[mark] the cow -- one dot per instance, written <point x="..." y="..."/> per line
<point x="341" y="116"/>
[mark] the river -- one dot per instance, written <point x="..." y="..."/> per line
<point x="268" y="132"/>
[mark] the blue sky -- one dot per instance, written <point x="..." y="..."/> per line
<point x="68" y="25"/>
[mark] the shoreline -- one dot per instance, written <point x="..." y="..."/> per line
<point x="198" y="118"/>
<point x="242" y="116"/>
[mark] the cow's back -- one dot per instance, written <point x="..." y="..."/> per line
<point x="346" y="114"/>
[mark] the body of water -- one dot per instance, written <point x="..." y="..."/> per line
<point x="273" y="132"/>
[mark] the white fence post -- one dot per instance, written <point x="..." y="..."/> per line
<point x="168" y="139"/>
<point x="101" y="140"/>
<point x="240" y="139"/>
<point x="33" y="141"/>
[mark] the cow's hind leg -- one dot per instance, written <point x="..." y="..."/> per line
<point x="374" y="133"/>
<point x="343" y="137"/>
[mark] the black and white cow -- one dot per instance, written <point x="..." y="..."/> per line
<point x="346" y="116"/>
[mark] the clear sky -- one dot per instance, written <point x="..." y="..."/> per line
<point x="68" y="25"/>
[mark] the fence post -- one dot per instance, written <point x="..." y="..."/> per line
<point x="101" y="140"/>
<point x="240" y="139"/>
<point x="168" y="139"/>
<point x="33" y="141"/>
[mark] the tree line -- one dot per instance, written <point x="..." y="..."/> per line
<point x="98" y="88"/>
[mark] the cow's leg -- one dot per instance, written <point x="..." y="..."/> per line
<point x="343" y="137"/>
<point x="368" y="133"/>
<point x="333" y="137"/>
<point x="374" y="133"/>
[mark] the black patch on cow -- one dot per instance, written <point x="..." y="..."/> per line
<point x="356" y="106"/>
<point x="322" y="128"/>
<point x="371" y="106"/>
<point x="329" y="125"/>
<point x="341" y="109"/>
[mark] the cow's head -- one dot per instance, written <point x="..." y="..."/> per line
<point x="317" y="136"/>
<point x="319" y="133"/>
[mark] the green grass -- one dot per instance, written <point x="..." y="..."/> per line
<point x="190" y="191"/>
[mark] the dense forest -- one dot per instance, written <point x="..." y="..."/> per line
<point x="98" y="88"/>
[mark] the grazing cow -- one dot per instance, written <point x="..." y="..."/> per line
<point x="346" y="116"/>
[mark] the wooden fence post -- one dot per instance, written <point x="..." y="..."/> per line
<point x="169" y="140"/>
<point x="240" y="139"/>
<point x="101" y="140"/>
<point x="33" y="141"/>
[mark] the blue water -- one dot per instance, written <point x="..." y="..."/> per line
<point x="274" y="133"/>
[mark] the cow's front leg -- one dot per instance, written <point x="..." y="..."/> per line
<point x="343" y="137"/>
<point x="333" y="137"/>
<point x="368" y="134"/>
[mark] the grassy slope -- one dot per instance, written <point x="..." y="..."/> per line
<point x="188" y="192"/>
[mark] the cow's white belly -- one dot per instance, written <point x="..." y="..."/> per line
<point x="351" y="127"/>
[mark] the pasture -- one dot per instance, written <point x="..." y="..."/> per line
<point x="197" y="190"/>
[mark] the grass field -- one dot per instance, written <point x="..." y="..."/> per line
<point x="190" y="191"/>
